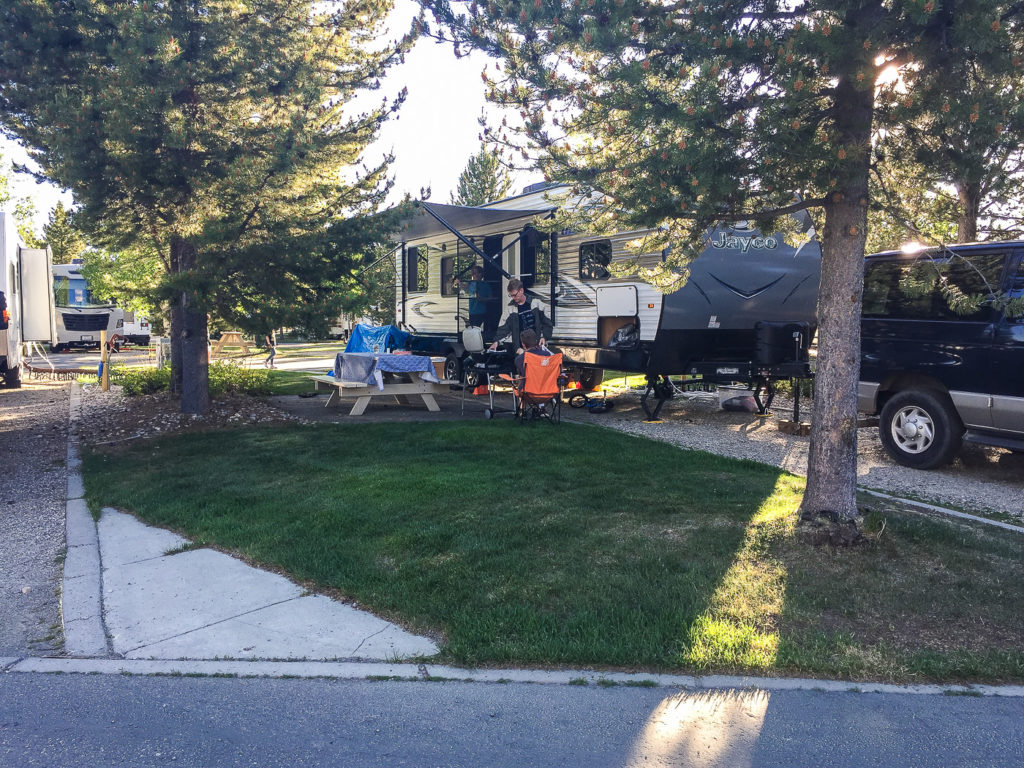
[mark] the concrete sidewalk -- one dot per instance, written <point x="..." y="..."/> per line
<point x="131" y="591"/>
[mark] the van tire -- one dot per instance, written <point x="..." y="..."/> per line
<point x="591" y="378"/>
<point x="920" y="428"/>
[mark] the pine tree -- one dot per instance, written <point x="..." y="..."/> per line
<point x="22" y="208"/>
<point x="683" y="114"/>
<point x="216" y="134"/>
<point x="63" y="238"/>
<point x="484" y="180"/>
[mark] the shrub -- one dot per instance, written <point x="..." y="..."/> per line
<point x="225" y="378"/>
<point x="231" y="378"/>
<point x="141" y="381"/>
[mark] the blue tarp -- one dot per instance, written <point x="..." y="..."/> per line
<point x="376" y="338"/>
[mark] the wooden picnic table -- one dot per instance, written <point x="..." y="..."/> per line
<point x="231" y="339"/>
<point x="407" y="389"/>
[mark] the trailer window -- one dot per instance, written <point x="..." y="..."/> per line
<point x="535" y="260"/>
<point x="594" y="260"/>
<point x="416" y="270"/>
<point x="456" y="268"/>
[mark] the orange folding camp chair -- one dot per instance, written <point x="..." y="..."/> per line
<point x="538" y="395"/>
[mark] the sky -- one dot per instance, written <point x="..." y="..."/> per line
<point x="434" y="136"/>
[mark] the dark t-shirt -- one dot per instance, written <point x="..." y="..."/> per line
<point x="526" y="318"/>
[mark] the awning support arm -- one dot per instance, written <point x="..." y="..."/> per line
<point x="465" y="240"/>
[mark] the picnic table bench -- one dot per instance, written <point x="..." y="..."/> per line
<point x="363" y="392"/>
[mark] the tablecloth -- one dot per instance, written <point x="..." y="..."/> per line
<point x="361" y="366"/>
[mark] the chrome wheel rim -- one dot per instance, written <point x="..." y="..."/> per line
<point x="912" y="429"/>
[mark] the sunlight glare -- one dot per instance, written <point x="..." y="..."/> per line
<point x="709" y="728"/>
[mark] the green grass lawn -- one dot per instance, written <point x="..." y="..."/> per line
<point x="582" y="546"/>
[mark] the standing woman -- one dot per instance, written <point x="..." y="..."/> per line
<point x="272" y="348"/>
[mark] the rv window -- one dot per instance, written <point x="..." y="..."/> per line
<point x="594" y="260"/>
<point x="416" y="270"/>
<point x="456" y="267"/>
<point x="535" y="260"/>
<point x="950" y="289"/>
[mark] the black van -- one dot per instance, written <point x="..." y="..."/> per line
<point x="941" y="361"/>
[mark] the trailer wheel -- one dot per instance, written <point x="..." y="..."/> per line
<point x="591" y="378"/>
<point x="920" y="428"/>
<point x="12" y="378"/>
<point x="453" y="367"/>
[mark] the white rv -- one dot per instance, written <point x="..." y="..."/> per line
<point x="80" y="317"/>
<point x="26" y="299"/>
<point x="746" y="313"/>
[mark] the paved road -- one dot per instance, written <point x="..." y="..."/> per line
<point x="64" y="720"/>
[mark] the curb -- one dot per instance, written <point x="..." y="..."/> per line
<point x="926" y="507"/>
<point x="403" y="672"/>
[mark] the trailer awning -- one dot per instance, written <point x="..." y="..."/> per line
<point x="467" y="221"/>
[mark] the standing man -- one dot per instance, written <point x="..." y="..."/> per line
<point x="520" y="314"/>
<point x="479" y="293"/>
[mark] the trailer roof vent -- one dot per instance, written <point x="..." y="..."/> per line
<point x="538" y="186"/>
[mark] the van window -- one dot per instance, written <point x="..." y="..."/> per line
<point x="949" y="289"/>
<point x="1015" y="310"/>
<point x="416" y="270"/>
<point x="594" y="260"/>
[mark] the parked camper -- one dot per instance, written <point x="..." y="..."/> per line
<point x="80" y="316"/>
<point x="26" y="299"/>
<point x="935" y="376"/>
<point x="136" y="329"/>
<point x="746" y="314"/>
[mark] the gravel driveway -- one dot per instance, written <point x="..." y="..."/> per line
<point x="33" y="490"/>
<point x="981" y="479"/>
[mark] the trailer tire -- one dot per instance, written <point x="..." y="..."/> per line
<point x="453" y="367"/>
<point x="12" y="378"/>
<point x="591" y="378"/>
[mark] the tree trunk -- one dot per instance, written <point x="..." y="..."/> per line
<point x="189" y="335"/>
<point x="969" y="193"/>
<point x="177" y="321"/>
<point x="829" y="508"/>
<point x="195" y="369"/>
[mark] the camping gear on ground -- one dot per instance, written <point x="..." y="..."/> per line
<point x="594" y="402"/>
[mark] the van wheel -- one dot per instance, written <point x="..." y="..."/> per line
<point x="453" y="368"/>
<point x="591" y="378"/>
<point x="920" y="429"/>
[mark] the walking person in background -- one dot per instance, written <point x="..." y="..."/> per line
<point x="271" y="339"/>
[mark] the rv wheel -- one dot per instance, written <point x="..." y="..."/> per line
<point x="591" y="378"/>
<point x="12" y="378"/>
<point x="453" y="368"/>
<point x="920" y="428"/>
